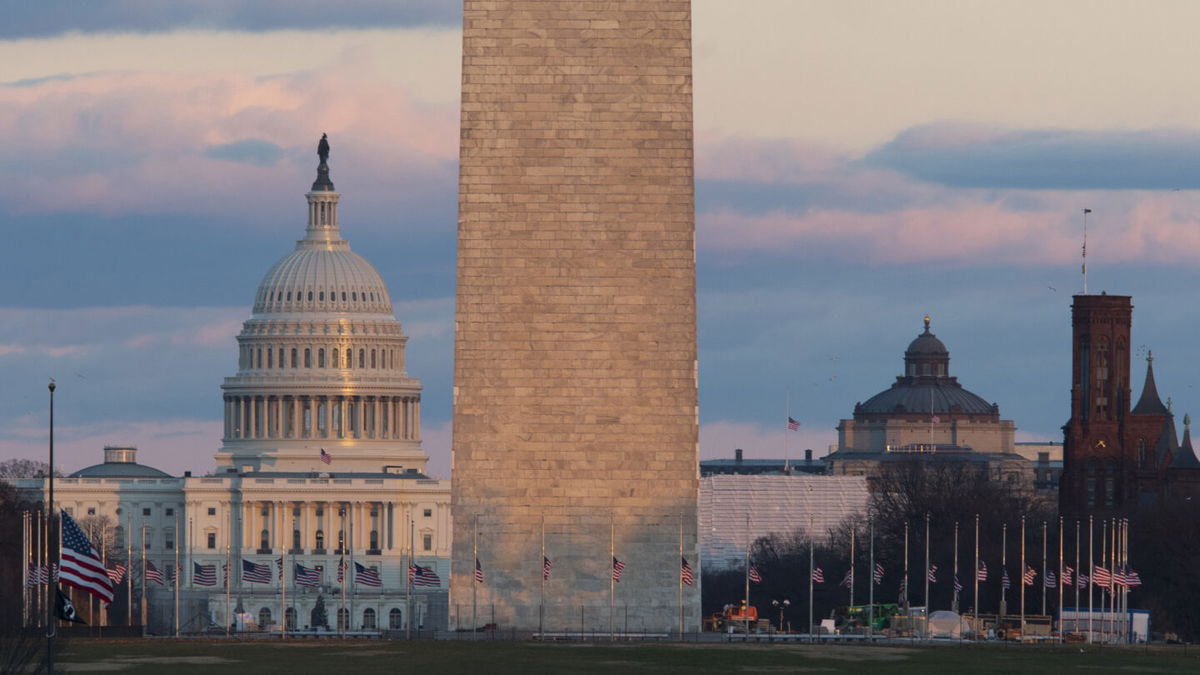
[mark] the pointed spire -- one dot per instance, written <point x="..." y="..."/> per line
<point x="1150" y="403"/>
<point x="1168" y="443"/>
<point x="1185" y="456"/>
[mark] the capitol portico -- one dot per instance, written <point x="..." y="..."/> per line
<point x="320" y="464"/>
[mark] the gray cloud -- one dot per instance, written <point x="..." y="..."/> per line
<point x="250" y="151"/>
<point x="55" y="17"/>
<point x="1039" y="159"/>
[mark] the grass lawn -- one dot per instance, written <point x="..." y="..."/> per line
<point x="494" y="658"/>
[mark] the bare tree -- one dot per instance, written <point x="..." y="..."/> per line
<point x="25" y="468"/>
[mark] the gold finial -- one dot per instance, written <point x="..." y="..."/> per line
<point x="926" y="323"/>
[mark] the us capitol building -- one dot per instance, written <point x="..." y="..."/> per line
<point x="321" y="462"/>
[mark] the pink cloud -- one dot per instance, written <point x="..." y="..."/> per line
<point x="136" y="142"/>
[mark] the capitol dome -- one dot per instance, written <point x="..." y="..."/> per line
<point x="321" y="367"/>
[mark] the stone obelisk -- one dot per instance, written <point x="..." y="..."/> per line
<point x="575" y="343"/>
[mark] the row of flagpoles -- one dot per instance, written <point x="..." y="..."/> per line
<point x="1111" y="572"/>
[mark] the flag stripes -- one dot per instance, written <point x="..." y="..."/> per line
<point x="253" y="573"/>
<point x="617" y="568"/>
<point x="204" y="575"/>
<point x="423" y="576"/>
<point x="367" y="576"/>
<point x="80" y="564"/>
<point x="685" y="572"/>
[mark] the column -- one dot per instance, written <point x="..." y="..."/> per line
<point x="391" y="526"/>
<point x="376" y="423"/>
<point x="295" y="415"/>
<point x="252" y="417"/>
<point x="360" y="416"/>
<point x="328" y="417"/>
<point x="416" y="418"/>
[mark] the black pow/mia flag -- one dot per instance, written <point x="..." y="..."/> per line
<point x="64" y="608"/>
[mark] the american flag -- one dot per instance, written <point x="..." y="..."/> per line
<point x="1005" y="582"/>
<point x="1081" y="580"/>
<point x="755" y="575"/>
<point x="818" y="575"/>
<point x="366" y="576"/>
<point x="1029" y="576"/>
<point x="847" y="580"/>
<point x="618" y="567"/>
<point x="326" y="457"/>
<point x="256" y="573"/>
<point x="153" y="573"/>
<point x="81" y="564"/>
<point x="685" y="573"/>
<point x="1066" y="575"/>
<point x="479" y="572"/>
<point x="1050" y="580"/>
<point x="957" y="586"/>
<point x="279" y="564"/>
<point x="793" y="425"/>
<point x="117" y="573"/>
<point x="38" y="574"/>
<point x="932" y="574"/>
<point x="1132" y="578"/>
<point x="981" y="573"/>
<point x="1101" y="576"/>
<point x="878" y="574"/>
<point x="307" y="576"/>
<point x="423" y="576"/>
<point x="204" y="575"/>
<point x="172" y="574"/>
<point x="546" y="566"/>
<point x="341" y="570"/>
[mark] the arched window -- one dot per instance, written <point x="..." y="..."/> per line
<point x="343" y="618"/>
<point x="264" y="539"/>
<point x="321" y="296"/>
<point x="264" y="618"/>
<point x="289" y="616"/>
<point x="295" y="358"/>
<point x="320" y="539"/>
<point x="362" y="358"/>
<point x="258" y="357"/>
<point x="395" y="619"/>
<point x="307" y="357"/>
<point x="368" y="619"/>
<point x="1110" y="480"/>
<point x="1091" y="482"/>
<point x="321" y="358"/>
<point x="343" y="296"/>
<point x="354" y="296"/>
<point x="281" y="357"/>
<point x="373" y="359"/>
<point x="333" y="357"/>
<point x="270" y="357"/>
<point x="310" y="296"/>
<point x="349" y="359"/>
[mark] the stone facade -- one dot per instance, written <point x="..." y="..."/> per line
<point x="575" y="355"/>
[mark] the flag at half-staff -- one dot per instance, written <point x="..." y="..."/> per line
<point x="423" y="576"/>
<point x="341" y="570"/>
<point x="479" y="572"/>
<point x="847" y="580"/>
<point x="252" y="573"/>
<point x="1050" y="580"/>
<point x="818" y="575"/>
<point x="547" y="566"/>
<point x="755" y="575"/>
<point x="367" y="576"/>
<point x="1066" y="576"/>
<point x="117" y="573"/>
<point x="153" y="573"/>
<point x="1029" y="576"/>
<point x="878" y="574"/>
<point x="79" y="563"/>
<point x="204" y="575"/>
<point x="306" y="576"/>
<point x="685" y="573"/>
<point x="617" y="568"/>
<point x="981" y="573"/>
<point x="932" y="574"/>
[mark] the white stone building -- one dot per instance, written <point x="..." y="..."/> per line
<point x="321" y="376"/>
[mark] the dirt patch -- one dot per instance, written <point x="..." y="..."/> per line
<point x="123" y="662"/>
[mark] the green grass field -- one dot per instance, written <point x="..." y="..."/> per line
<point x="494" y="658"/>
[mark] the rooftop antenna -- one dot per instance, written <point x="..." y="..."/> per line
<point x="1085" y="214"/>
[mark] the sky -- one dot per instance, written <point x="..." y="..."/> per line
<point x="858" y="166"/>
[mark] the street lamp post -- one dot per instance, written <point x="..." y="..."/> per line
<point x="782" y="605"/>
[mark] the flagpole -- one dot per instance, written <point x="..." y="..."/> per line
<point x="871" y="583"/>
<point x="788" y="417"/>
<point x="24" y="569"/>
<point x="925" y="623"/>
<point x="681" y="626"/>
<point x="1022" y="582"/>
<point x="975" y="628"/>
<point x="343" y="614"/>
<point x="811" y="632"/>
<point x="142" y="596"/>
<point x="746" y="569"/>
<point x="1003" y="569"/>
<point x="50" y="513"/>
<point x="1078" y="569"/>
<point x="612" y="579"/>
<point x="351" y="569"/>
<point x="411" y="571"/>
<point x="129" y="572"/>
<point x="1112" y="573"/>
<point x="1060" y="576"/>
<point x="956" y="582"/>
<point x="177" y="575"/>
<point x="1104" y="563"/>
<point x="1043" y="568"/>
<point x="542" y="597"/>
<point x="907" y="614"/>
<point x="228" y="571"/>
<point x="1091" y="577"/>
<point x="474" y="580"/>
<point x="851" y="568"/>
